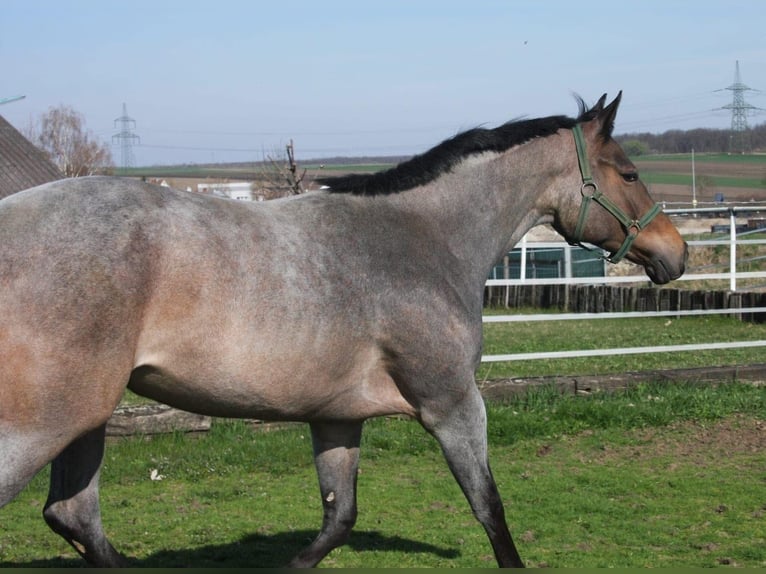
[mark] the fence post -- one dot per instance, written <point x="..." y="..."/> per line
<point x="523" y="267"/>
<point x="735" y="302"/>
<point x="507" y="275"/>
<point x="732" y="251"/>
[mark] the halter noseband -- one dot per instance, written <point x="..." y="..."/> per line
<point x="590" y="192"/>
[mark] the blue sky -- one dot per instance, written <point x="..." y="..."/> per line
<point x="230" y="80"/>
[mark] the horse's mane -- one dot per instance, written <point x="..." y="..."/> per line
<point x="426" y="167"/>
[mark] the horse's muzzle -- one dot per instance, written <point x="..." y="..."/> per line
<point x="662" y="269"/>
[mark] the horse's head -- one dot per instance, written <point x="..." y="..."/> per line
<point x="612" y="208"/>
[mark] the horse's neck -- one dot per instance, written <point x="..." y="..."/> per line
<point x="485" y="205"/>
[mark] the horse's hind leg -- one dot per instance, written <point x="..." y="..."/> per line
<point x="72" y="509"/>
<point x="462" y="433"/>
<point x="336" y="455"/>
<point x="22" y="455"/>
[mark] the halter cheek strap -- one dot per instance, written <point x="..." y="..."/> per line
<point x="590" y="193"/>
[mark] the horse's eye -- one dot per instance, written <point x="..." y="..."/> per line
<point x="630" y="177"/>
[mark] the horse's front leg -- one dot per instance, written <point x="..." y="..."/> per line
<point x="461" y="429"/>
<point x="336" y="455"/>
<point x="72" y="509"/>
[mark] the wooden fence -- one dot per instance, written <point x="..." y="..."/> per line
<point x="615" y="298"/>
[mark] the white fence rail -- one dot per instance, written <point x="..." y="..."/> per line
<point x="732" y="275"/>
<point x="621" y="351"/>
<point x="732" y="242"/>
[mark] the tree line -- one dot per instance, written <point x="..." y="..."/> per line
<point x="701" y="140"/>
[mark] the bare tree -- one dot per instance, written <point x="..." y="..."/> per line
<point x="281" y="175"/>
<point x="61" y="134"/>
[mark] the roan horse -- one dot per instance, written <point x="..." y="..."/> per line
<point x="330" y="308"/>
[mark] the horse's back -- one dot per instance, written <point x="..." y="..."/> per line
<point x="74" y="240"/>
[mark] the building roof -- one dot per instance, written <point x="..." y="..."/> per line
<point x="22" y="165"/>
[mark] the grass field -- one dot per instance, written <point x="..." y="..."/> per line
<point x="245" y="171"/>
<point x="331" y="169"/>
<point x="651" y="178"/>
<point x="661" y="476"/>
<point x="502" y="338"/>
<point x="686" y="158"/>
<point x="740" y="178"/>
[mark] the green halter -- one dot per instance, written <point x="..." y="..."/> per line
<point x="590" y="192"/>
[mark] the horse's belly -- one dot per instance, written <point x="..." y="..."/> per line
<point x="312" y="394"/>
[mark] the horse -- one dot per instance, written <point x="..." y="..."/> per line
<point x="332" y="307"/>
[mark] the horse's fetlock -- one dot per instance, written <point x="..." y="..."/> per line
<point x="349" y="520"/>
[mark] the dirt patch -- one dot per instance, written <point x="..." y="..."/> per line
<point x="702" y="442"/>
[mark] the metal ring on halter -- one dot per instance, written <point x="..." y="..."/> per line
<point x="588" y="184"/>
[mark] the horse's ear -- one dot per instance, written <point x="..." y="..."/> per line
<point x="599" y="104"/>
<point x="606" y="115"/>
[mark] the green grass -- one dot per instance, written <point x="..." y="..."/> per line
<point x="503" y="338"/>
<point x="242" y="170"/>
<point x="649" y="178"/>
<point x="705" y="158"/>
<point x="351" y="167"/>
<point x="655" y="476"/>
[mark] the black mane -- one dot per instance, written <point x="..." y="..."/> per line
<point x="427" y="166"/>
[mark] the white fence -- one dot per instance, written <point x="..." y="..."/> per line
<point x="733" y="241"/>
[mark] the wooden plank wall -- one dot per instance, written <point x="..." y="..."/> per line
<point x="615" y="298"/>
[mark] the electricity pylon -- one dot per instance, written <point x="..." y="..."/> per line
<point x="739" y="112"/>
<point x="126" y="137"/>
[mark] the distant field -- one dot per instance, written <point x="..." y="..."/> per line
<point x="246" y="171"/>
<point x="669" y="177"/>
<point x="649" y="177"/>
<point x="348" y="167"/>
<point x="740" y="178"/>
<point x="200" y="172"/>
<point x="686" y="158"/>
